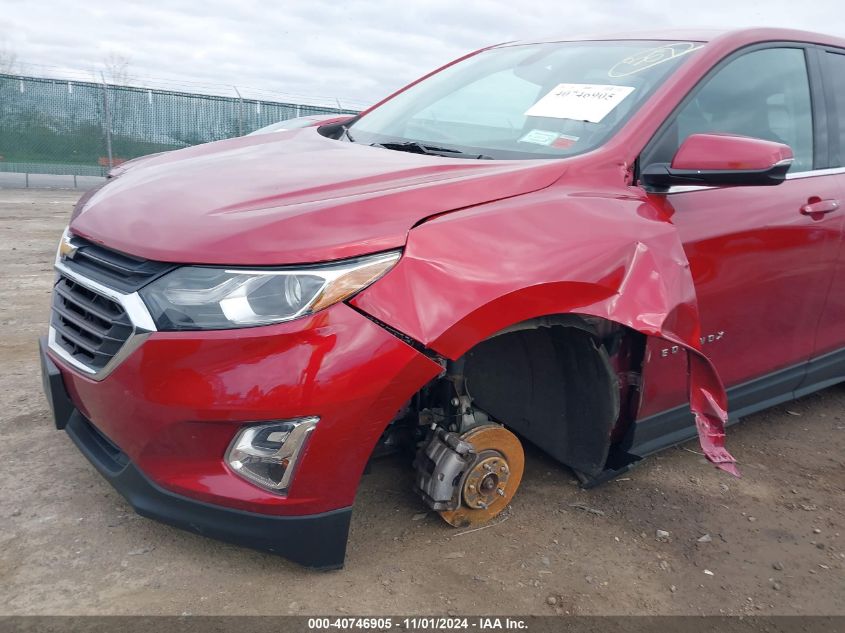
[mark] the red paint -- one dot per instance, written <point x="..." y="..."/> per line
<point x="186" y="394"/>
<point x="486" y="244"/>
<point x="522" y="258"/>
<point x="724" y="152"/>
<point x="829" y="333"/>
<point x="761" y="271"/>
<point x="289" y="197"/>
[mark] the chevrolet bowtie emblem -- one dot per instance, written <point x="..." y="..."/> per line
<point x="67" y="249"/>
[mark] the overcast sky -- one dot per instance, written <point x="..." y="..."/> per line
<point x="355" y="51"/>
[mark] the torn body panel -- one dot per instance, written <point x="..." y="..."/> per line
<point x="609" y="254"/>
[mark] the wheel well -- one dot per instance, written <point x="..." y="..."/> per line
<point x="566" y="383"/>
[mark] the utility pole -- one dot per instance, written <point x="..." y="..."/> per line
<point x="240" y="112"/>
<point x="108" y="120"/>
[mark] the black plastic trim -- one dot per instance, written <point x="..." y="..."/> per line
<point x="54" y="387"/>
<point x="825" y="61"/>
<point x="661" y="176"/>
<point x="317" y="540"/>
<point x="823" y="372"/>
<point x="123" y="272"/>
<point x="820" y="104"/>
<point x="677" y="425"/>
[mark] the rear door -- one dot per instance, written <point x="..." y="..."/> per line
<point x="829" y="351"/>
<point x="761" y="264"/>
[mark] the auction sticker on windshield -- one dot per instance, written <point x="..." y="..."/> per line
<point x="539" y="137"/>
<point x="580" y="102"/>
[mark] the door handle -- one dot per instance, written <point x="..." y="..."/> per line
<point x="817" y="207"/>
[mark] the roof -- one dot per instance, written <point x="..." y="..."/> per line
<point x="737" y="37"/>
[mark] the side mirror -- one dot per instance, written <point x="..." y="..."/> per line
<point x="721" y="160"/>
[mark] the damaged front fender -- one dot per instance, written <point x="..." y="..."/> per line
<point x="467" y="275"/>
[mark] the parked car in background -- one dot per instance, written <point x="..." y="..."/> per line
<point x="122" y="165"/>
<point x="299" y="122"/>
<point x="592" y="246"/>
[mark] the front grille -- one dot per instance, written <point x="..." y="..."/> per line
<point x="90" y="327"/>
<point x="114" y="269"/>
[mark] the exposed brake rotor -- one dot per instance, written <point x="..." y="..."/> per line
<point x="490" y="482"/>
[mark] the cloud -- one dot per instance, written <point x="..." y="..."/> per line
<point x="355" y="51"/>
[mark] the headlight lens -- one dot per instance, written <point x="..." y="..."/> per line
<point x="206" y="298"/>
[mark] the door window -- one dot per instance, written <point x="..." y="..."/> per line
<point x="835" y="78"/>
<point x="763" y="94"/>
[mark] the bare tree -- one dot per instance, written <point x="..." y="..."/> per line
<point x="116" y="68"/>
<point x="118" y="103"/>
<point x="8" y="60"/>
<point x="8" y="66"/>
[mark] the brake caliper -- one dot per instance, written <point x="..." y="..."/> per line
<point x="469" y="479"/>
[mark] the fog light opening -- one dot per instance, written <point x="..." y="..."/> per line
<point x="266" y="454"/>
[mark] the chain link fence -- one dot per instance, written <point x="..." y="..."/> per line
<point x="52" y="126"/>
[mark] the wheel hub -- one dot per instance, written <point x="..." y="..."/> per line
<point x="489" y="483"/>
<point x="485" y="481"/>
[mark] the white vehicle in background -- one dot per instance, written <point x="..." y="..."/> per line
<point x="280" y="126"/>
<point x="300" y="122"/>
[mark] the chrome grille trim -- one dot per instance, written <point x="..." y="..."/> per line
<point x="139" y="317"/>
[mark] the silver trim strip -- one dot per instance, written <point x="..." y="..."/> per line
<point x="132" y="343"/>
<point x="142" y="325"/>
<point x="818" y="172"/>
<point x="687" y="188"/>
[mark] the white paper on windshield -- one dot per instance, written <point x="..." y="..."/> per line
<point x="580" y="102"/>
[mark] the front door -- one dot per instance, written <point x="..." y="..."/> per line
<point x="760" y="259"/>
<point x="830" y="338"/>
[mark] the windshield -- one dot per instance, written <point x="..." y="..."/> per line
<point x="526" y="101"/>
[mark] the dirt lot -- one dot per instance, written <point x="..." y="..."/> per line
<point x="69" y="544"/>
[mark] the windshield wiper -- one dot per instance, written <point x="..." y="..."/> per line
<point x="415" y="147"/>
<point x="348" y="135"/>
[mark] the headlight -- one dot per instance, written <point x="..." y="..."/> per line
<point x="206" y="298"/>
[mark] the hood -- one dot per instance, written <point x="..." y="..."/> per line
<point x="287" y="198"/>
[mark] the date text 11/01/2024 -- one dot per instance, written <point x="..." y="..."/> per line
<point x="417" y="623"/>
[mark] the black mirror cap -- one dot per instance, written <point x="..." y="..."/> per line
<point x="659" y="177"/>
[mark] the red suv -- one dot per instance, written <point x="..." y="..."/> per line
<point x="574" y="244"/>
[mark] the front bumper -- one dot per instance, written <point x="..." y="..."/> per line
<point x="157" y="427"/>
<point x="317" y="540"/>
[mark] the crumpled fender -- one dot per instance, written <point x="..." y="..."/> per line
<point x="466" y="275"/>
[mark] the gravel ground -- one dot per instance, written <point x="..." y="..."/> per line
<point x="769" y="543"/>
